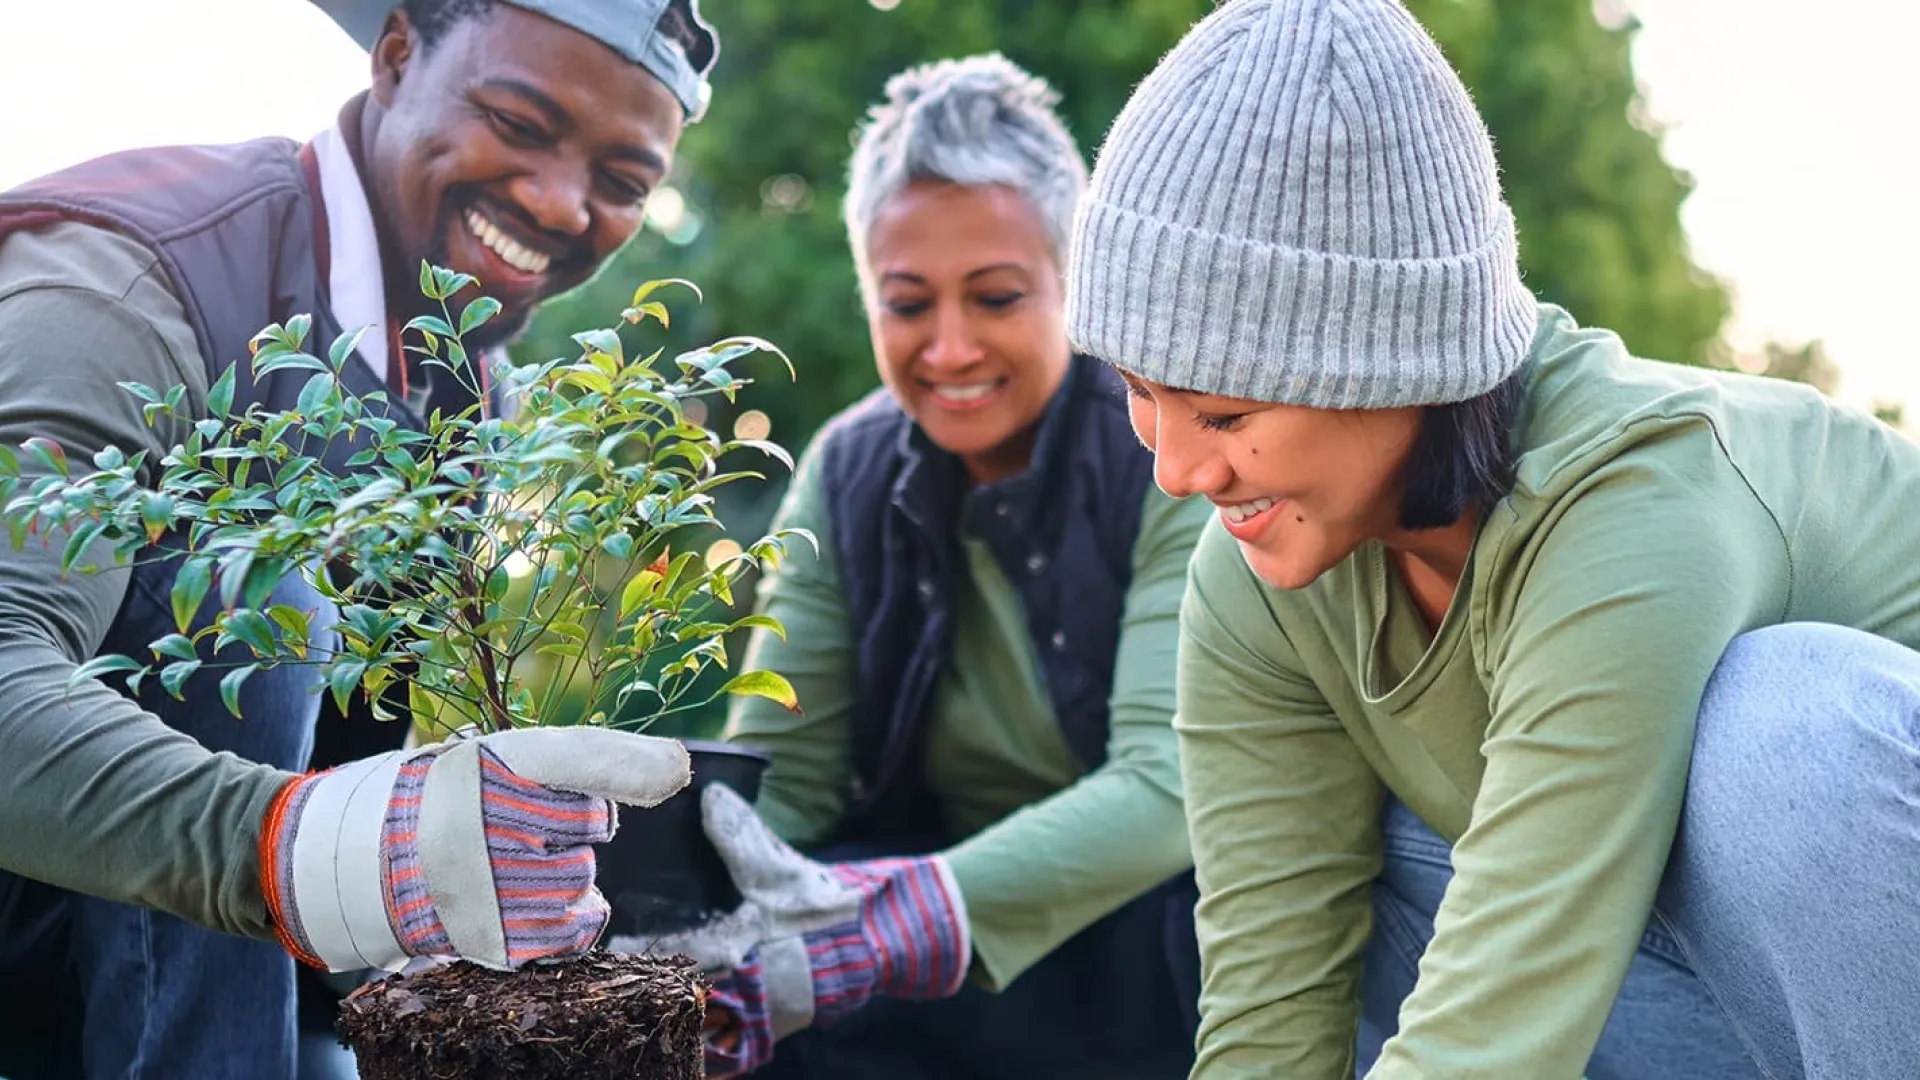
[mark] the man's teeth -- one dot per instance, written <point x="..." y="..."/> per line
<point x="1240" y="512"/>
<point x="509" y="250"/>
<point x="969" y="392"/>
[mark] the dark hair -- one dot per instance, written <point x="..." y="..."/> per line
<point x="432" y="19"/>
<point x="1462" y="457"/>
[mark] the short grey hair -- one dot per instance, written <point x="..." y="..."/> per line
<point x="974" y="121"/>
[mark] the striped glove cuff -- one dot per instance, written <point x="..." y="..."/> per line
<point x="909" y="940"/>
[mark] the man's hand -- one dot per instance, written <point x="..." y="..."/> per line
<point x="475" y="847"/>
<point x="813" y="942"/>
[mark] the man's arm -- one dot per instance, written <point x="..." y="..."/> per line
<point x="97" y="795"/>
<point x="1054" y="867"/>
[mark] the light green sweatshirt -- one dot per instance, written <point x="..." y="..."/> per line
<point x="1546" y="727"/>
<point x="1049" y="851"/>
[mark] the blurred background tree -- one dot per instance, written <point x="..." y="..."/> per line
<point x="752" y="213"/>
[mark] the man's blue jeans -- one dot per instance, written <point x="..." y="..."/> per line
<point x="1785" y="940"/>
<point x="156" y="996"/>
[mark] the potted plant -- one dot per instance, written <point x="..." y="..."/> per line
<point x="463" y="560"/>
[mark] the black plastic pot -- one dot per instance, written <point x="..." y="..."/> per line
<point x="659" y="872"/>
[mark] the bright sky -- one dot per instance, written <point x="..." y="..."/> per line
<point x="1789" y="117"/>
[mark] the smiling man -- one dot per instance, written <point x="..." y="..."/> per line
<point x="157" y="858"/>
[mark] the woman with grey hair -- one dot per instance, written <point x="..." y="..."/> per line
<point x="983" y="768"/>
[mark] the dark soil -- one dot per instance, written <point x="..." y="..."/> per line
<point x="598" y="1015"/>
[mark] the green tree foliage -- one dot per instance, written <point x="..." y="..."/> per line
<point x="1598" y="208"/>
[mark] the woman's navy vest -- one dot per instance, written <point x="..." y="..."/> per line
<point x="1062" y="532"/>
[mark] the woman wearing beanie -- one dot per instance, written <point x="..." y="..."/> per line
<point x="1541" y="709"/>
<point x="984" y="653"/>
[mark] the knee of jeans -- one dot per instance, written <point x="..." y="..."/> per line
<point x="1797" y="694"/>
<point x="1796" y="722"/>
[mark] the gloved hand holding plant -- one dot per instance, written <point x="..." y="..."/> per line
<point x="476" y="848"/>
<point x="813" y="942"/>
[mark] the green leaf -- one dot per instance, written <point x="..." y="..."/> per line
<point x="343" y="678"/>
<point x="220" y="394"/>
<point x="498" y="583"/>
<point x="156" y="514"/>
<point x="48" y="453"/>
<point x="764" y="684"/>
<point x="343" y="347"/>
<point x="611" y="443"/>
<point x="78" y="542"/>
<point x="566" y="650"/>
<point x="760" y="622"/>
<point x="449" y="281"/>
<point x="619" y="545"/>
<point x="314" y="395"/>
<point x="294" y="470"/>
<point x="605" y="342"/>
<point x="103" y="665"/>
<point x="771" y="449"/>
<point x="289" y="360"/>
<point x="173" y="677"/>
<point x="234" y="569"/>
<point x="429" y="286"/>
<point x="251" y="629"/>
<point x="430" y="324"/>
<point x="651" y="310"/>
<point x="640" y="295"/>
<point x="177" y="646"/>
<point x="638" y="591"/>
<point x="294" y="626"/>
<point x="477" y="313"/>
<point x="230" y="687"/>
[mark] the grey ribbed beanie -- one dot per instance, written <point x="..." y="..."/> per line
<point x="1300" y="205"/>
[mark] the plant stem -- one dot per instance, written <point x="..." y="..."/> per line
<point x="495" y="694"/>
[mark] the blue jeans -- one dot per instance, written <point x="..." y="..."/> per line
<point x="151" y="995"/>
<point x="1785" y="939"/>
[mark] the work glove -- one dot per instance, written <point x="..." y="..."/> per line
<point x="477" y="847"/>
<point x="813" y="942"/>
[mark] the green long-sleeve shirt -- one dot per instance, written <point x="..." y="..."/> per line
<point x="97" y="795"/>
<point x="1049" y="850"/>
<point x="1545" y="728"/>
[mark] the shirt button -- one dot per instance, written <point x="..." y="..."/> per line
<point x="1036" y="562"/>
<point x="1059" y="640"/>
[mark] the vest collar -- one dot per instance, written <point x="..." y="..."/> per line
<point x="932" y="487"/>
